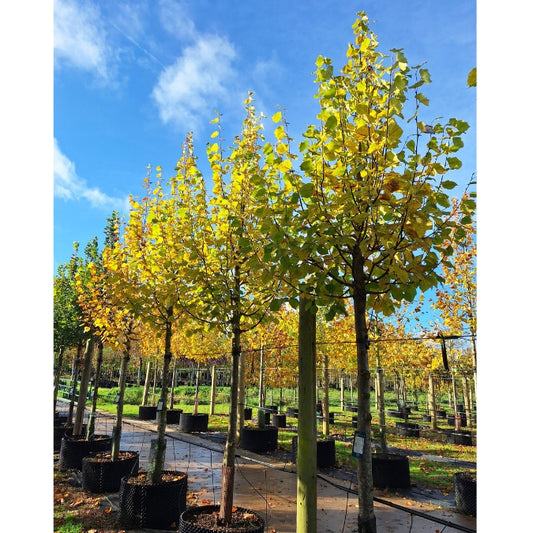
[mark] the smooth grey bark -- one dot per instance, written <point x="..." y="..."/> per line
<point x="97" y="371"/>
<point x="325" y="395"/>
<point x="117" y="429"/>
<point x="241" y="390"/>
<point x="431" y="400"/>
<point x="380" y="396"/>
<point x="306" y="491"/>
<point x="84" y="385"/>
<point x="172" y="385"/>
<point x="366" y="518"/>
<point x="74" y="381"/>
<point x="156" y="466"/>
<point x="146" y="383"/>
<point x="213" y="390"/>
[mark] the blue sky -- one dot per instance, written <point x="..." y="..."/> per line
<point x="131" y="78"/>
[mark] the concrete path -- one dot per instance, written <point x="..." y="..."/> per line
<point x="268" y="486"/>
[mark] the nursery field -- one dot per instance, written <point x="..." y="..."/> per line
<point x="432" y="460"/>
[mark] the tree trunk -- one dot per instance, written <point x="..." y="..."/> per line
<point x="306" y="491"/>
<point x="196" y="389"/>
<point x="325" y="395"/>
<point x="84" y="382"/>
<point x="154" y="383"/>
<point x="367" y="517"/>
<point x="468" y="408"/>
<point x="432" y="405"/>
<point x="172" y="385"/>
<point x="74" y="381"/>
<point x="342" y="391"/>
<point x="156" y="466"/>
<point x="380" y="394"/>
<point x="117" y="429"/>
<point x="146" y="383"/>
<point x="59" y="365"/>
<point x="261" y="377"/>
<point x="213" y="390"/>
<point x="228" y="461"/>
<point x="241" y="395"/>
<point x="92" y="414"/>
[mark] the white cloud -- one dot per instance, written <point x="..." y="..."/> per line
<point x="187" y="92"/>
<point x="175" y="19"/>
<point x="69" y="186"/>
<point x="79" y="38"/>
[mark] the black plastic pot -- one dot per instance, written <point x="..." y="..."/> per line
<point x="441" y="413"/>
<point x="271" y="408"/>
<point x="464" y="484"/>
<point x="451" y="419"/>
<point x="459" y="437"/>
<point x="259" y="440"/>
<point x="187" y="523"/>
<point x="426" y="418"/>
<point x="292" y="412"/>
<point x="279" y="420"/>
<point x="75" y="448"/>
<point x="190" y="423"/>
<point x="173" y="416"/>
<point x="390" y="471"/>
<point x="59" y="432"/>
<point x="101" y="474"/>
<point x="398" y="413"/>
<point x="325" y="451"/>
<point x="407" y="429"/>
<point x="354" y="421"/>
<point x="351" y="408"/>
<point x="157" y="506"/>
<point x="147" y="412"/>
<point x="331" y="418"/>
<point x="247" y="413"/>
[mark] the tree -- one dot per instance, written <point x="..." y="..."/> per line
<point x="226" y="244"/>
<point x="456" y="299"/>
<point x="69" y="331"/>
<point x="147" y="266"/>
<point x="372" y="211"/>
<point x="107" y="316"/>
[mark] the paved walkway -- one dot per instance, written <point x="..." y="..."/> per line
<point x="268" y="486"/>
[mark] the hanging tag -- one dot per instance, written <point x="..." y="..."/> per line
<point x="359" y="443"/>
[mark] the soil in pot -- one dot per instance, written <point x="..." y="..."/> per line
<point x="464" y="484"/>
<point x="190" y="423"/>
<point x="158" y="506"/>
<point x="259" y="440"/>
<point x="75" y="448"/>
<point x="390" y="471"/>
<point x="203" y="519"/>
<point x="147" y="412"/>
<point x="101" y="474"/>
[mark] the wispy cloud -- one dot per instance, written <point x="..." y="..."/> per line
<point x="80" y="40"/>
<point x="175" y="19"/>
<point x="69" y="186"/>
<point x="189" y="90"/>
